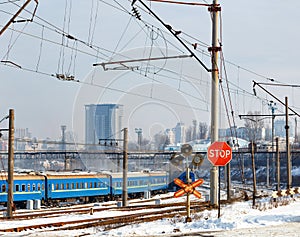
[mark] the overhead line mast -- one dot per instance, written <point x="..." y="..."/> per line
<point x="214" y="8"/>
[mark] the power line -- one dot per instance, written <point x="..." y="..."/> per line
<point x="93" y="55"/>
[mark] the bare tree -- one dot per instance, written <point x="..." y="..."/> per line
<point x="161" y="140"/>
<point x="254" y="125"/>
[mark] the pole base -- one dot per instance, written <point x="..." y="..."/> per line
<point x="188" y="219"/>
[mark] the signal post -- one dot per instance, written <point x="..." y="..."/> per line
<point x="189" y="187"/>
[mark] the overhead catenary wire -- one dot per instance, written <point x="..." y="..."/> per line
<point x="12" y="44"/>
<point x="104" y="58"/>
<point x="119" y="8"/>
<point x="40" y="52"/>
<point x="120" y="39"/>
<point x="123" y="9"/>
<point x="50" y="74"/>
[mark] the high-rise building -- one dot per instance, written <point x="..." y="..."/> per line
<point x="180" y="133"/>
<point x="171" y="135"/>
<point x="279" y="128"/>
<point x="103" y="121"/>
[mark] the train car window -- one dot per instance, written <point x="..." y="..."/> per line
<point x="62" y="187"/>
<point x="28" y="187"/>
<point x="17" y="187"/>
<point x="23" y="188"/>
<point x="77" y="185"/>
<point x="99" y="185"/>
<point x="57" y="187"/>
<point x="39" y="187"/>
<point x="95" y="184"/>
<point x="73" y="186"/>
<point x="3" y="188"/>
<point x="81" y="185"/>
<point x="91" y="184"/>
<point x="33" y="187"/>
<point x="85" y="185"/>
<point x="68" y="186"/>
<point x="52" y="186"/>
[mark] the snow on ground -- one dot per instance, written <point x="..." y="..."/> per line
<point x="236" y="219"/>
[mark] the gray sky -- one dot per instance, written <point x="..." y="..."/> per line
<point x="260" y="36"/>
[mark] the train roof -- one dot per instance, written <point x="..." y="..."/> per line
<point x="143" y="173"/>
<point x="31" y="175"/>
<point x="74" y="174"/>
<point x="21" y="175"/>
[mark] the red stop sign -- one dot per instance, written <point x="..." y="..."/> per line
<point x="219" y="153"/>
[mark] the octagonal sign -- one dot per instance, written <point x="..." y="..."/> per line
<point x="219" y="153"/>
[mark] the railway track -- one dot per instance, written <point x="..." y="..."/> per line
<point x="112" y="221"/>
<point x="119" y="216"/>
<point x="82" y="209"/>
<point x="91" y="209"/>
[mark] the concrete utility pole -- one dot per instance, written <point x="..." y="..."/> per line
<point x="125" y="167"/>
<point x="10" y="197"/>
<point x="272" y="106"/>
<point x="278" y="163"/>
<point x="228" y="171"/>
<point x="63" y="137"/>
<point x="288" y="155"/>
<point x="253" y="172"/>
<point x="215" y="8"/>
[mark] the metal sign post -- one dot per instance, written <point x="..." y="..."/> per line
<point x="219" y="154"/>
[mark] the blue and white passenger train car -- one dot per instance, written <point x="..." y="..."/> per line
<point x="67" y="185"/>
<point x="27" y="186"/>
<point x="159" y="181"/>
<point x="52" y="187"/>
<point x="137" y="182"/>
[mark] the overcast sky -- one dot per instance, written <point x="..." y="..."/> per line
<point x="259" y="37"/>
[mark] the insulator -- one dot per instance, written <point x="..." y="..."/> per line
<point x="136" y="13"/>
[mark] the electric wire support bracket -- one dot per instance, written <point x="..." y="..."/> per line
<point x="214" y="49"/>
<point x="12" y="20"/>
<point x="125" y="67"/>
<point x="174" y="33"/>
<point x="64" y="77"/>
<point x="259" y="84"/>
<point x="214" y="8"/>
<point x="11" y="62"/>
